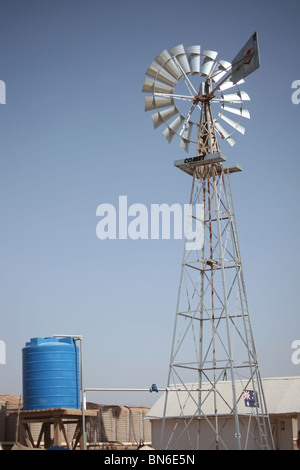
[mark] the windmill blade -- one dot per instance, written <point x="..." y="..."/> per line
<point x="194" y="58"/>
<point x="157" y="72"/>
<point x="166" y="61"/>
<point x="184" y="144"/>
<point x="154" y="102"/>
<point x="153" y="86"/>
<point x="161" y="117"/>
<point x="208" y="62"/>
<point x="172" y="129"/>
<point x="221" y="69"/>
<point x="202" y="89"/>
<point x="186" y="135"/>
<point x="239" y="111"/>
<point x="224" y="134"/>
<point x="233" y="124"/>
<point x="229" y="84"/>
<point x="181" y="57"/>
<point x="235" y="97"/>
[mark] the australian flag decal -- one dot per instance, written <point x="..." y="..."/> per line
<point x="251" y="399"/>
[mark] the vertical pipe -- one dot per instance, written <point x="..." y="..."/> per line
<point x="82" y="394"/>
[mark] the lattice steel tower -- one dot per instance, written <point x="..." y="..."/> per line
<point x="214" y="395"/>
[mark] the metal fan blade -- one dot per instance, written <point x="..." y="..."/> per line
<point x="236" y="97"/>
<point x="231" y="141"/>
<point x="180" y="54"/>
<point x="239" y="111"/>
<point x="157" y="72"/>
<point x="221" y="69"/>
<point x="162" y="116"/>
<point x="202" y="88"/>
<point x="186" y="135"/>
<point x="154" y="102"/>
<point x="194" y="58"/>
<point x="166" y="61"/>
<point x="244" y="96"/>
<point x="153" y="86"/>
<point x="233" y="124"/>
<point x="172" y="129"/>
<point x="187" y="130"/>
<point x="208" y="62"/>
<point x="229" y="84"/>
<point x="224" y="134"/>
<point x="184" y="144"/>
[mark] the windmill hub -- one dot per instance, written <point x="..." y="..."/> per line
<point x="202" y="98"/>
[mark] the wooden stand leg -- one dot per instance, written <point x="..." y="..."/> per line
<point x="57" y="433"/>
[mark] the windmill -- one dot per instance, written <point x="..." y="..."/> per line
<point x="199" y="99"/>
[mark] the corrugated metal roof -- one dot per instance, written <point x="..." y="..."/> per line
<point x="282" y="396"/>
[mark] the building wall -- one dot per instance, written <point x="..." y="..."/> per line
<point x="282" y="429"/>
<point x="122" y="424"/>
<point x="188" y="439"/>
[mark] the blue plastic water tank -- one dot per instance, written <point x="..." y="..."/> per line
<point x="51" y="375"/>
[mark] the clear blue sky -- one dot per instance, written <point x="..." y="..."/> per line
<point x="74" y="134"/>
